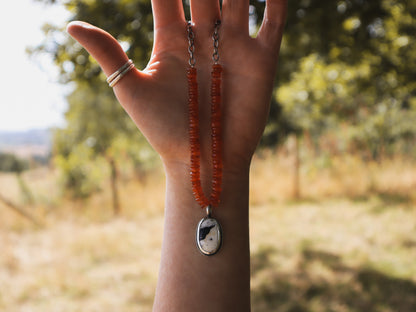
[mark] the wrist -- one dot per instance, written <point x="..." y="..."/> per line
<point x="231" y="173"/>
<point x="234" y="197"/>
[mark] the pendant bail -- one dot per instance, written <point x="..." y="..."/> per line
<point x="208" y="209"/>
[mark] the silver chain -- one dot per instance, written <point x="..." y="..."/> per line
<point x="216" y="38"/>
<point x="191" y="44"/>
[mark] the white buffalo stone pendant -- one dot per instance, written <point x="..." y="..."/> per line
<point x="208" y="235"/>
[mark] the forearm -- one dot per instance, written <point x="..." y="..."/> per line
<point x="188" y="280"/>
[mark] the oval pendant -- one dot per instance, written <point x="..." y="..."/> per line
<point x="208" y="236"/>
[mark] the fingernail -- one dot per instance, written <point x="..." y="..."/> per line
<point x="81" y="24"/>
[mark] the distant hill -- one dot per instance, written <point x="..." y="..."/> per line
<point x="26" y="143"/>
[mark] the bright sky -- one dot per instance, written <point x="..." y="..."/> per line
<point x="29" y="96"/>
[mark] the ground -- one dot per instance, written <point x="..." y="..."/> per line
<point x="329" y="252"/>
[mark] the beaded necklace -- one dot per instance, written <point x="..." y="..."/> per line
<point x="208" y="233"/>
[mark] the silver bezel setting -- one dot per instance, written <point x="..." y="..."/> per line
<point x="219" y="234"/>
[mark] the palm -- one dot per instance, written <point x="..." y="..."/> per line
<point x="246" y="93"/>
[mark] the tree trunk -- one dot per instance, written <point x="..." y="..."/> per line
<point x="114" y="187"/>
<point x="296" y="167"/>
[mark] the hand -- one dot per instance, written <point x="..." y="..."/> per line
<point x="156" y="98"/>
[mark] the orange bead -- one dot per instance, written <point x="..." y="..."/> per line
<point x="216" y="144"/>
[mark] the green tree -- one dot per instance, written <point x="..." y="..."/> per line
<point x="13" y="164"/>
<point x="95" y="122"/>
<point x="354" y="35"/>
<point x="372" y="91"/>
<point x="349" y="64"/>
<point x="96" y="126"/>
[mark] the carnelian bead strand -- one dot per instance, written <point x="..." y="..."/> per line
<point x="194" y="138"/>
<point x="195" y="145"/>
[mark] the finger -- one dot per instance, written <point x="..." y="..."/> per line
<point x="271" y="30"/>
<point x="101" y="45"/>
<point x="235" y="12"/>
<point x="205" y="11"/>
<point x="167" y="12"/>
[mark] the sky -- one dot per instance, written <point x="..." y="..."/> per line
<point x="30" y="97"/>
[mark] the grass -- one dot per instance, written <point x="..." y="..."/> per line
<point x="347" y="245"/>
<point x="335" y="255"/>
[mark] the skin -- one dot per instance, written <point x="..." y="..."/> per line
<point x="156" y="100"/>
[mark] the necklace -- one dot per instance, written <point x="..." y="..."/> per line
<point x="208" y="232"/>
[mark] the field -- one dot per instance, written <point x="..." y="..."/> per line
<point x="348" y="243"/>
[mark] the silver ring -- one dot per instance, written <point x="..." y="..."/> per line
<point x="119" y="73"/>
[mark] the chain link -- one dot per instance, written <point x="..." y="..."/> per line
<point x="191" y="44"/>
<point x="216" y="38"/>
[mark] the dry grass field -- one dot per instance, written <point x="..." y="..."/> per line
<point x="348" y="244"/>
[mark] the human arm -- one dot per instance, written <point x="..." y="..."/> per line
<point x="156" y="100"/>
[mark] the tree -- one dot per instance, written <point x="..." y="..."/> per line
<point x="11" y="163"/>
<point x="374" y="93"/>
<point x="95" y="121"/>
<point x="357" y="73"/>
<point x="355" y="34"/>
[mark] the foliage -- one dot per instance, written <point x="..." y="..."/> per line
<point x="362" y="77"/>
<point x="97" y="127"/>
<point x="81" y="176"/>
<point x="12" y="163"/>
<point x="318" y="94"/>
<point x="99" y="131"/>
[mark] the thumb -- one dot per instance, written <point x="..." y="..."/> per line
<point x="101" y="45"/>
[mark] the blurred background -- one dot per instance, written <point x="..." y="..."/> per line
<point x="333" y="188"/>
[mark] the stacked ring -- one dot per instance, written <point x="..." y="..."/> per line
<point x="119" y="73"/>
